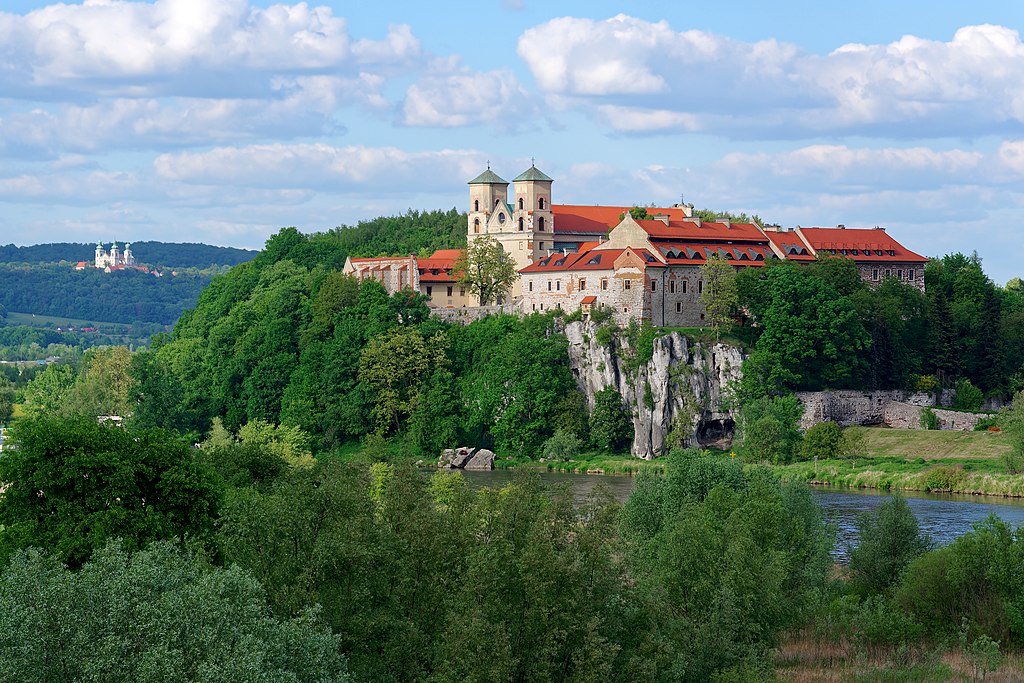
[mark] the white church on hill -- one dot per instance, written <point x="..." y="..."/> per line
<point x="114" y="258"/>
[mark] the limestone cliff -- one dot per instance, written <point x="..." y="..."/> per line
<point x="680" y="387"/>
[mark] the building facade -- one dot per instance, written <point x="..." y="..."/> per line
<point x="434" y="276"/>
<point x="114" y="258"/>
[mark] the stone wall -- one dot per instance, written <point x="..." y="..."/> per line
<point x="468" y="314"/>
<point x="898" y="409"/>
<point x="683" y="381"/>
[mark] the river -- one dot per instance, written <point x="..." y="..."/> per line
<point x="943" y="517"/>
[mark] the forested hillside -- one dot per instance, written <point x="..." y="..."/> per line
<point x="157" y="254"/>
<point x="122" y="297"/>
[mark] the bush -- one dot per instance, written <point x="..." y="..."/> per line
<point x="564" y="445"/>
<point x="823" y="440"/>
<point x="967" y="396"/>
<point x="929" y="420"/>
<point x="944" y="478"/>
<point x="926" y="383"/>
<point x="988" y="424"/>
<point x="769" y="428"/>
<point x="889" y="539"/>
<point x="610" y="426"/>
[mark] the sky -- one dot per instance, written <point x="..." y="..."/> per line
<point x="221" y="121"/>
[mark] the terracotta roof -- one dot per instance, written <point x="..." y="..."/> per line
<point x="589" y="299"/>
<point x="790" y="244"/>
<point x="707" y="230"/>
<point x="869" y="245"/>
<point x="595" y="259"/>
<point x="697" y="254"/>
<point x="597" y="219"/>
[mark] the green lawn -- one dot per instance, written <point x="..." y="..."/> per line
<point x="41" y="320"/>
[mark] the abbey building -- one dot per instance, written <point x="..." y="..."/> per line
<point x="647" y="268"/>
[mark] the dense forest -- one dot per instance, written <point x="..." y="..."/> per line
<point x="156" y="254"/>
<point x="125" y="296"/>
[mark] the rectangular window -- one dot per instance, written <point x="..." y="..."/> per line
<point x="450" y="291"/>
<point x="558" y="285"/>
<point x="430" y="290"/>
<point x="535" y="307"/>
<point x="654" y="285"/>
<point x="583" y="285"/>
<point x="530" y="286"/>
<point x="679" y="307"/>
<point x="874" y="274"/>
<point x="888" y="272"/>
<point x="549" y="285"/>
<point x="604" y="283"/>
<point x="671" y="286"/>
<point x="700" y="286"/>
<point x="522" y="245"/>
<point x="899" y="274"/>
<point x="910" y="274"/>
<point x="626" y="284"/>
<point x="684" y="286"/>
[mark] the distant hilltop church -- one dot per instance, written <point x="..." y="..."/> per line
<point x="112" y="260"/>
<point x="644" y="268"/>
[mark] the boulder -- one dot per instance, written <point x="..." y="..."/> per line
<point x="455" y="458"/>
<point x="482" y="459"/>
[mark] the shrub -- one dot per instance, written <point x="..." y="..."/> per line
<point x="854" y="443"/>
<point x="967" y="396"/>
<point x="926" y="383"/>
<point x="564" y="445"/>
<point x="823" y="440"/>
<point x="944" y="478"/>
<point x="600" y="313"/>
<point x="604" y="334"/>
<point x="610" y="426"/>
<point x="769" y="428"/>
<point x="929" y="420"/>
<point x="988" y="424"/>
<point x="889" y="539"/>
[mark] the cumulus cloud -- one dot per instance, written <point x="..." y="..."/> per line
<point x="323" y="167"/>
<point x="639" y="76"/>
<point x="468" y="97"/>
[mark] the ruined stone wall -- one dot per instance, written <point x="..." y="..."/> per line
<point x="908" y="416"/>
<point x="895" y="408"/>
<point x="468" y="314"/>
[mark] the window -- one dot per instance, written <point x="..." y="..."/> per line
<point x="625" y="309"/>
<point x="530" y="286"/>
<point x="558" y="285"/>
<point x="540" y="223"/>
<point x="679" y="307"/>
<point x="476" y="225"/>
<point x="497" y="200"/>
<point x="671" y="286"/>
<point x="462" y="291"/>
<point x="549" y="285"/>
<point x="626" y="284"/>
<point x="700" y="286"/>
<point x="583" y="284"/>
<point x="501" y="218"/>
<point x="654" y="285"/>
<point x="430" y="290"/>
<point x="540" y="203"/>
<point x="604" y="283"/>
<point x="874" y="274"/>
<point x="683" y="283"/>
<point x="910" y="275"/>
<point x="888" y="272"/>
<point x="476" y="204"/>
<point x="450" y="291"/>
<point x="522" y="245"/>
<point x="520" y="203"/>
<point x="520" y="225"/>
<point x="899" y="274"/>
<point x="535" y="307"/>
<point x="559" y="304"/>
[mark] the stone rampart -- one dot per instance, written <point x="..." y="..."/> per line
<point x="468" y="314"/>
<point x="906" y="416"/>
<point x="894" y="408"/>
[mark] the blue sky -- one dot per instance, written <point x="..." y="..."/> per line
<point x="220" y="122"/>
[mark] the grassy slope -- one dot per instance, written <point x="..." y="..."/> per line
<point x="41" y="320"/>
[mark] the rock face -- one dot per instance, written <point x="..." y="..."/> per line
<point x="466" y="458"/>
<point x="682" y="384"/>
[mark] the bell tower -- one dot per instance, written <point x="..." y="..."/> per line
<point x="486" y="191"/>
<point x="533" y="216"/>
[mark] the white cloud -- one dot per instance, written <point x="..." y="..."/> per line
<point x="466" y="98"/>
<point x="639" y="76"/>
<point x="323" y="167"/>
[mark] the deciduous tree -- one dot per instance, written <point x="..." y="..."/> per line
<point x="486" y="270"/>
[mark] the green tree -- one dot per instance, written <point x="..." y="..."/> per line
<point x="73" y="484"/>
<point x="155" y="615"/>
<point x="889" y="538"/>
<point x="46" y="393"/>
<point x="823" y="440"/>
<point x="769" y="428"/>
<point x="610" y="426"/>
<point x="394" y="368"/>
<point x="103" y="385"/>
<point x="6" y="400"/>
<point x="486" y="270"/>
<point x="719" y="296"/>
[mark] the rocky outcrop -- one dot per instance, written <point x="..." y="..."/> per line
<point x="895" y="408"/>
<point x="466" y="458"/>
<point x="681" y="387"/>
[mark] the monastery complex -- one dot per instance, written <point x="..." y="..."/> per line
<point x="574" y="257"/>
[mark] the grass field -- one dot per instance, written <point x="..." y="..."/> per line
<point x="41" y="320"/>
<point x="933" y="445"/>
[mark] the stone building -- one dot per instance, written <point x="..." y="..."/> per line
<point x="114" y="258"/>
<point x="433" y="276"/>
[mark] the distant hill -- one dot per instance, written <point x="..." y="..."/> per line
<point x="158" y="254"/>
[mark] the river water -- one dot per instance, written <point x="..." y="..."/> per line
<point x="943" y="517"/>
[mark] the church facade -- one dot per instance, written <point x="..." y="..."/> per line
<point x="114" y="258"/>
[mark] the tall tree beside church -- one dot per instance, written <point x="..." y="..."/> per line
<point x="486" y="270"/>
<point x="719" y="294"/>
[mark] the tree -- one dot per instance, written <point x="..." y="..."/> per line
<point x="394" y="367"/>
<point x="610" y="426"/>
<point x="889" y="538"/>
<point x="6" y="399"/>
<point x="719" y="295"/>
<point x="73" y="484"/>
<point x="823" y="440"/>
<point x="768" y="428"/>
<point x="155" y="615"/>
<point x="486" y="270"/>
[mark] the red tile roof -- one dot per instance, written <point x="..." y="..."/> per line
<point x="707" y="230"/>
<point x="589" y="300"/>
<point x="791" y="245"/>
<point x="866" y="243"/>
<point x="594" y="259"/>
<point x="697" y="254"/>
<point x="572" y="218"/>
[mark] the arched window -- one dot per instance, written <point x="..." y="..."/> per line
<point x="540" y="223"/>
<point x="497" y="200"/>
<point x="476" y="225"/>
<point x="520" y="223"/>
<point x="520" y="203"/>
<point x="540" y="203"/>
<point x="476" y="204"/>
